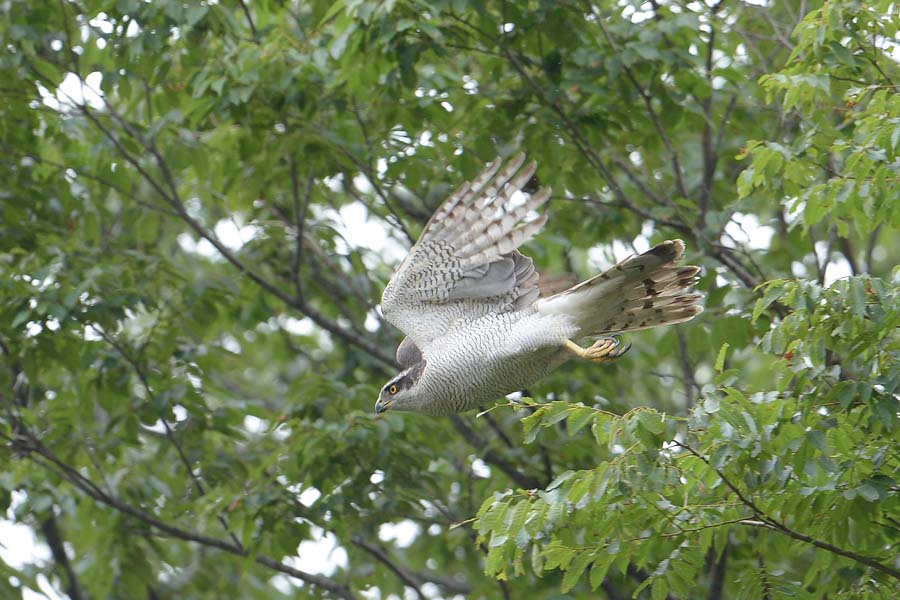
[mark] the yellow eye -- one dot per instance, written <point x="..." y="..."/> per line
<point x="392" y="390"/>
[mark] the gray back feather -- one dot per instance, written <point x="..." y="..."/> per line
<point x="408" y="353"/>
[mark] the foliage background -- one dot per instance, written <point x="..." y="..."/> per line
<point x="190" y="339"/>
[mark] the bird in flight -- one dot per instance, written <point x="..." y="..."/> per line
<point x="471" y="307"/>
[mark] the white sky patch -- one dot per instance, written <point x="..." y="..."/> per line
<point x="360" y="232"/>
<point x="18" y="544"/>
<point x="230" y="343"/>
<point x="322" y="555"/>
<point x="425" y="138"/>
<point x="837" y="269"/>
<point x="231" y="232"/>
<point x="101" y="22"/>
<point x="794" y="211"/>
<point x="202" y="247"/>
<point x="309" y="496"/>
<point x="295" y="326"/>
<point x="836" y="265"/>
<point x="133" y="28"/>
<point x="604" y="256"/>
<point x="283" y="584"/>
<point x="180" y="412"/>
<point x="73" y="92"/>
<point x="373" y="323"/>
<point x="403" y="533"/>
<point x="254" y="424"/>
<point x="746" y="230"/>
<point x="362" y="183"/>
<point x="481" y="469"/>
<point x="19" y="547"/>
<point x="470" y="85"/>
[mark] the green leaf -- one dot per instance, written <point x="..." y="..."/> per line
<point x="720" y="358"/>
<point x="575" y="569"/>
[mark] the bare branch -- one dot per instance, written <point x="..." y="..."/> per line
<point x="53" y="535"/>
<point x="717" y="577"/>
<point x="249" y="18"/>
<point x="687" y="369"/>
<point x="870" y="248"/>
<point x="410" y="578"/>
<point x="300" y="212"/>
<point x="710" y="155"/>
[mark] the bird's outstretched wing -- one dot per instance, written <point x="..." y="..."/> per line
<point x="466" y="263"/>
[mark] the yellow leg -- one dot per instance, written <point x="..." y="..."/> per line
<point x="603" y="350"/>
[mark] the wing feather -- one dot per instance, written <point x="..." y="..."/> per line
<point x="466" y="263"/>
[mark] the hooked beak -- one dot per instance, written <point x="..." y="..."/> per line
<point x="382" y="406"/>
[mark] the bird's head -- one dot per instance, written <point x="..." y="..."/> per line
<point x="402" y="392"/>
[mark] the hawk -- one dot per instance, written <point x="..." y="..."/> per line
<point x="470" y="303"/>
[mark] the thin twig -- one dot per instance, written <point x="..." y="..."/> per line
<point x="300" y="211"/>
<point x="648" y="104"/>
<point x="710" y="156"/>
<point x="492" y="457"/>
<point x="409" y="579"/>
<point x="170" y="435"/>
<point x="249" y="18"/>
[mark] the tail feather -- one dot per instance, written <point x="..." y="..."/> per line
<point x="640" y="292"/>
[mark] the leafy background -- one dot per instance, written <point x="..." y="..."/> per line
<point x="190" y="339"/>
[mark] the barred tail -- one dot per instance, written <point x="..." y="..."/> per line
<point x="640" y="292"/>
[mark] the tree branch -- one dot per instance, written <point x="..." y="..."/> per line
<point x="654" y="117"/>
<point x="717" y="577"/>
<point x="300" y="211"/>
<point x="33" y="449"/>
<point x="249" y="18"/>
<point x="173" y="199"/>
<point x="710" y="156"/>
<point x="169" y="434"/>
<point x="410" y="578"/>
<point x="687" y="369"/>
<point x="51" y="531"/>
<point x="776" y="525"/>
<point x="492" y="457"/>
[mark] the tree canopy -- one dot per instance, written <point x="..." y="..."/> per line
<point x="202" y="201"/>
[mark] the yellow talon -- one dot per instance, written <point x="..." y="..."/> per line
<point x="603" y="350"/>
